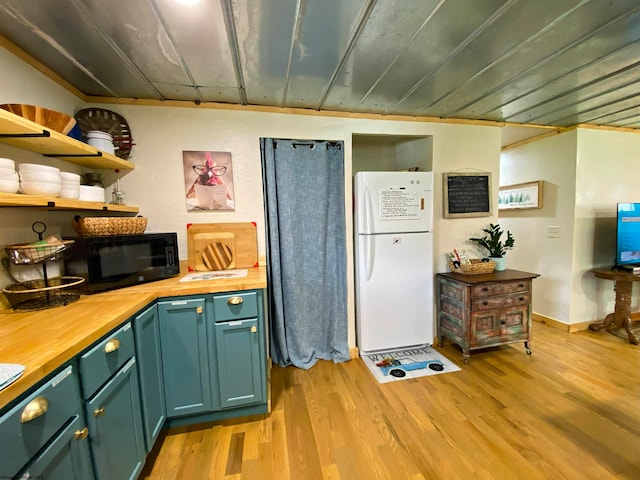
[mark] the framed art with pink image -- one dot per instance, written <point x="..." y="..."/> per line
<point x="208" y="180"/>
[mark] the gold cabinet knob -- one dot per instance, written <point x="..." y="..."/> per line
<point x="254" y="329"/>
<point x="235" y="301"/>
<point x="34" y="409"/>
<point x="199" y="310"/>
<point x="112" y="345"/>
<point x="81" y="434"/>
<point x="98" y="412"/>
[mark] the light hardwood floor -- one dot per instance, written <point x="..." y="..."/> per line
<point x="569" y="411"/>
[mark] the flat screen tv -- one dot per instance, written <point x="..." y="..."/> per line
<point x="628" y="235"/>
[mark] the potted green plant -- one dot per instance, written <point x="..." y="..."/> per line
<point x="492" y="242"/>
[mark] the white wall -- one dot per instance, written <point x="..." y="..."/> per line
<point x="585" y="172"/>
<point x="608" y="166"/>
<point x="553" y="161"/>
<point x="162" y="133"/>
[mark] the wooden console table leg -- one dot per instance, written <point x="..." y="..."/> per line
<point x="621" y="317"/>
<point x="608" y="320"/>
<point x="633" y="338"/>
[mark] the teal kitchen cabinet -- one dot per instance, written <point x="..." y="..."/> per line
<point x="239" y="346"/>
<point x="185" y="356"/>
<point x="66" y="458"/>
<point x="109" y="382"/>
<point x="146" y="327"/>
<point x="44" y="435"/>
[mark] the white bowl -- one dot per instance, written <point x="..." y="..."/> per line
<point x="9" y="185"/>
<point x="69" y="177"/>
<point x="70" y="193"/>
<point x="7" y="172"/>
<point x="41" y="188"/>
<point x="37" y="167"/>
<point x="39" y="177"/>
<point x="7" y="163"/>
<point x="73" y="186"/>
<point x="90" y="193"/>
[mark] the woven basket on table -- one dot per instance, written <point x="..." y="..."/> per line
<point x="476" y="267"/>
<point x="97" y="226"/>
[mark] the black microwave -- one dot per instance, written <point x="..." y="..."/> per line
<point x="116" y="261"/>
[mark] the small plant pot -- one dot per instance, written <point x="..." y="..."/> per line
<point x="501" y="263"/>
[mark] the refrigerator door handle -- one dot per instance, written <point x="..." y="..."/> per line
<point x="367" y="212"/>
<point x="369" y="255"/>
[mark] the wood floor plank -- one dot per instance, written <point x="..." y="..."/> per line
<point x="568" y="411"/>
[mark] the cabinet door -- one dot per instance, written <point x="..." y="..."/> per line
<point x="149" y="359"/>
<point x="66" y="458"/>
<point x="239" y="360"/>
<point x="185" y="357"/>
<point x="115" y="426"/>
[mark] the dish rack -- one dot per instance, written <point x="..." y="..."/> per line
<point x="46" y="292"/>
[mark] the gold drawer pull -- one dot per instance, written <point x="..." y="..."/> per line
<point x="34" y="409"/>
<point x="98" y="412"/>
<point x="254" y="329"/>
<point x="199" y="310"/>
<point x="235" y="301"/>
<point x="112" y="345"/>
<point x="81" y="434"/>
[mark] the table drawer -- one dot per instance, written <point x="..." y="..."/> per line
<point x="33" y="422"/>
<point x="500" y="288"/>
<point x="453" y="290"/>
<point x="500" y="301"/>
<point x="105" y="358"/>
<point x="235" y="306"/>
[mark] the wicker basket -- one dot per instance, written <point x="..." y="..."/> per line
<point x="476" y="267"/>
<point x="99" y="226"/>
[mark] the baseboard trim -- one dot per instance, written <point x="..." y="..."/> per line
<point x="353" y="353"/>
<point x="574" y="327"/>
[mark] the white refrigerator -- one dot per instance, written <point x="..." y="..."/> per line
<point x="394" y="260"/>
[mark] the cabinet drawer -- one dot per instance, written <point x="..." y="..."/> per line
<point x="105" y="358"/>
<point x="32" y="423"/>
<point x="500" y="301"/>
<point x="499" y="288"/>
<point x="235" y="306"/>
<point x="452" y="290"/>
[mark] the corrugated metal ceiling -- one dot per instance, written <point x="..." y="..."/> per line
<point x="541" y="62"/>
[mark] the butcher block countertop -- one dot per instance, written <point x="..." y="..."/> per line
<point x="43" y="340"/>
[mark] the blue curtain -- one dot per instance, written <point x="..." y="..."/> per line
<point x="306" y="250"/>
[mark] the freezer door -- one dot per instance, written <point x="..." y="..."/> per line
<point x="394" y="291"/>
<point x="388" y="202"/>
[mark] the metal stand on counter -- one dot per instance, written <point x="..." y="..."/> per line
<point x="46" y="292"/>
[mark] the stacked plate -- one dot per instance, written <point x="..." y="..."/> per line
<point x="70" y="185"/>
<point x="39" y="180"/>
<point x="9" y="182"/>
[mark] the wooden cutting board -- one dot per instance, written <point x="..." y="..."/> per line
<point x="241" y="239"/>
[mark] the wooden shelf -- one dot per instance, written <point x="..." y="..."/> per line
<point x="50" y="203"/>
<point x="28" y="135"/>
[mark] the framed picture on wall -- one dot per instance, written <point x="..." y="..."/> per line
<point x="208" y="180"/>
<point x="521" y="196"/>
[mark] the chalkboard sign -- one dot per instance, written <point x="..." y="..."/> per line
<point x="467" y="195"/>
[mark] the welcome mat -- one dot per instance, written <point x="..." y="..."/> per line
<point x="396" y="365"/>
